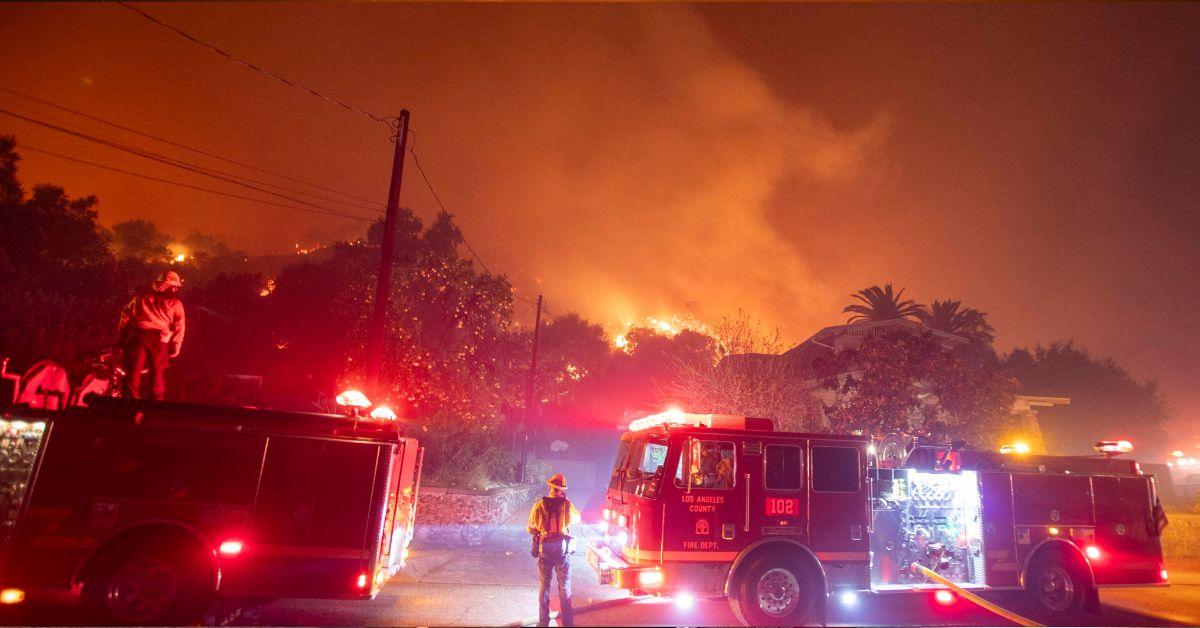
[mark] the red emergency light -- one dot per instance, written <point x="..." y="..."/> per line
<point x="383" y="413"/>
<point x="231" y="547"/>
<point x="353" y="399"/>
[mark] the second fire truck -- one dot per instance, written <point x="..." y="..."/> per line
<point x="780" y="522"/>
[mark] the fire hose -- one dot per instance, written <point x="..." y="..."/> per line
<point x="1007" y="614"/>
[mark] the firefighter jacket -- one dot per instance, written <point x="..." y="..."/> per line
<point x="156" y="311"/>
<point x="551" y="518"/>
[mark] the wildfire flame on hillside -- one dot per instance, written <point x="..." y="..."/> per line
<point x="669" y="327"/>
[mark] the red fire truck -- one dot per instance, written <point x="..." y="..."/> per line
<point x="152" y="510"/>
<point x="780" y="522"/>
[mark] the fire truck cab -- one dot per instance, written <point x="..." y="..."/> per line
<point x="151" y="510"/>
<point x="781" y="522"/>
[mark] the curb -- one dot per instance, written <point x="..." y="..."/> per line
<point x="598" y="606"/>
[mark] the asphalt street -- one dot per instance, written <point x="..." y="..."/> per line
<point x="495" y="584"/>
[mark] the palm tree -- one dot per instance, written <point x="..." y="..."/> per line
<point x="881" y="304"/>
<point x="952" y="318"/>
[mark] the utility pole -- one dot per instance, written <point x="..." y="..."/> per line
<point x="537" y="323"/>
<point x="387" y="251"/>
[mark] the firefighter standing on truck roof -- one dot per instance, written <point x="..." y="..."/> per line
<point x="549" y="523"/>
<point x="151" y="330"/>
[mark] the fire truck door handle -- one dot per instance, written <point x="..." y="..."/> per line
<point x="746" y="524"/>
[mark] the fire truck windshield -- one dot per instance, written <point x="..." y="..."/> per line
<point x="639" y="458"/>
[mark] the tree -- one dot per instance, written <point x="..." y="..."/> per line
<point x="742" y="373"/>
<point x="968" y="323"/>
<point x="881" y="304"/>
<point x="11" y="193"/>
<point x="905" y="382"/>
<point x="141" y="240"/>
<point x="1106" y="401"/>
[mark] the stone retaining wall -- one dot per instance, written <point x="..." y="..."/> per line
<point x="457" y="516"/>
<point x="1181" y="538"/>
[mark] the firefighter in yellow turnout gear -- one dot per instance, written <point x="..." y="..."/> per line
<point x="550" y="520"/>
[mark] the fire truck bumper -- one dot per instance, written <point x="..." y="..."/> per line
<point x="611" y="569"/>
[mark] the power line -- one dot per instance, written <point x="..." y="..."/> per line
<point x="168" y="161"/>
<point x="189" y="148"/>
<point x="114" y="143"/>
<point x="390" y="122"/>
<point x="1161" y="339"/>
<point x="23" y="146"/>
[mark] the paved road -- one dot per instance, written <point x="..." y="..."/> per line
<point x="496" y="584"/>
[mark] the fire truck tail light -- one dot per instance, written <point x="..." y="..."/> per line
<point x="650" y="578"/>
<point x="362" y="580"/>
<point x="1162" y="575"/>
<point x="1092" y="552"/>
<point x="944" y="597"/>
<point x="231" y="548"/>
<point x="12" y="596"/>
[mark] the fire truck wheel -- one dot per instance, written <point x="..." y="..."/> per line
<point x="154" y="584"/>
<point x="1056" y="589"/>
<point x="776" y="590"/>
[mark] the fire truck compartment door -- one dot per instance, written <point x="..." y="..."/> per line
<point x="779" y="499"/>
<point x="838" y="500"/>
<point x="312" y="517"/>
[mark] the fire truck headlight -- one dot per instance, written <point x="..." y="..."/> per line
<point x="231" y="547"/>
<point x="944" y="597"/>
<point x="12" y="596"/>
<point x="650" y="578"/>
<point x="848" y="599"/>
<point x="1092" y="552"/>
<point x="622" y="521"/>
<point x="1162" y="575"/>
<point x="684" y="600"/>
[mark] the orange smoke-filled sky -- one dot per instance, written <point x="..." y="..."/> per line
<point x="1038" y="161"/>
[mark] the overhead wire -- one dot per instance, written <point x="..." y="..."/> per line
<point x="391" y="122"/>
<point x="169" y="161"/>
<point x="113" y="142"/>
<point x="193" y="149"/>
<point x="23" y="146"/>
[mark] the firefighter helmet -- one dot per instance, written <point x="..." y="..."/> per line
<point x="558" y="481"/>
<point x="169" y="279"/>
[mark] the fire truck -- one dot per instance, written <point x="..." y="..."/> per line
<point x="152" y="511"/>
<point x="780" y="523"/>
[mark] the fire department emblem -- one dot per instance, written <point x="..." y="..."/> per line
<point x="702" y="526"/>
<point x="1120" y="529"/>
<point x="1055" y="516"/>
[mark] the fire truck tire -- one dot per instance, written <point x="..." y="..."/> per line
<point x="1056" y="589"/>
<point x="776" y="590"/>
<point x="148" y="584"/>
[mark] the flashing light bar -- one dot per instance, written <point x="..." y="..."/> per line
<point x="677" y="417"/>
<point x="1113" y="446"/>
